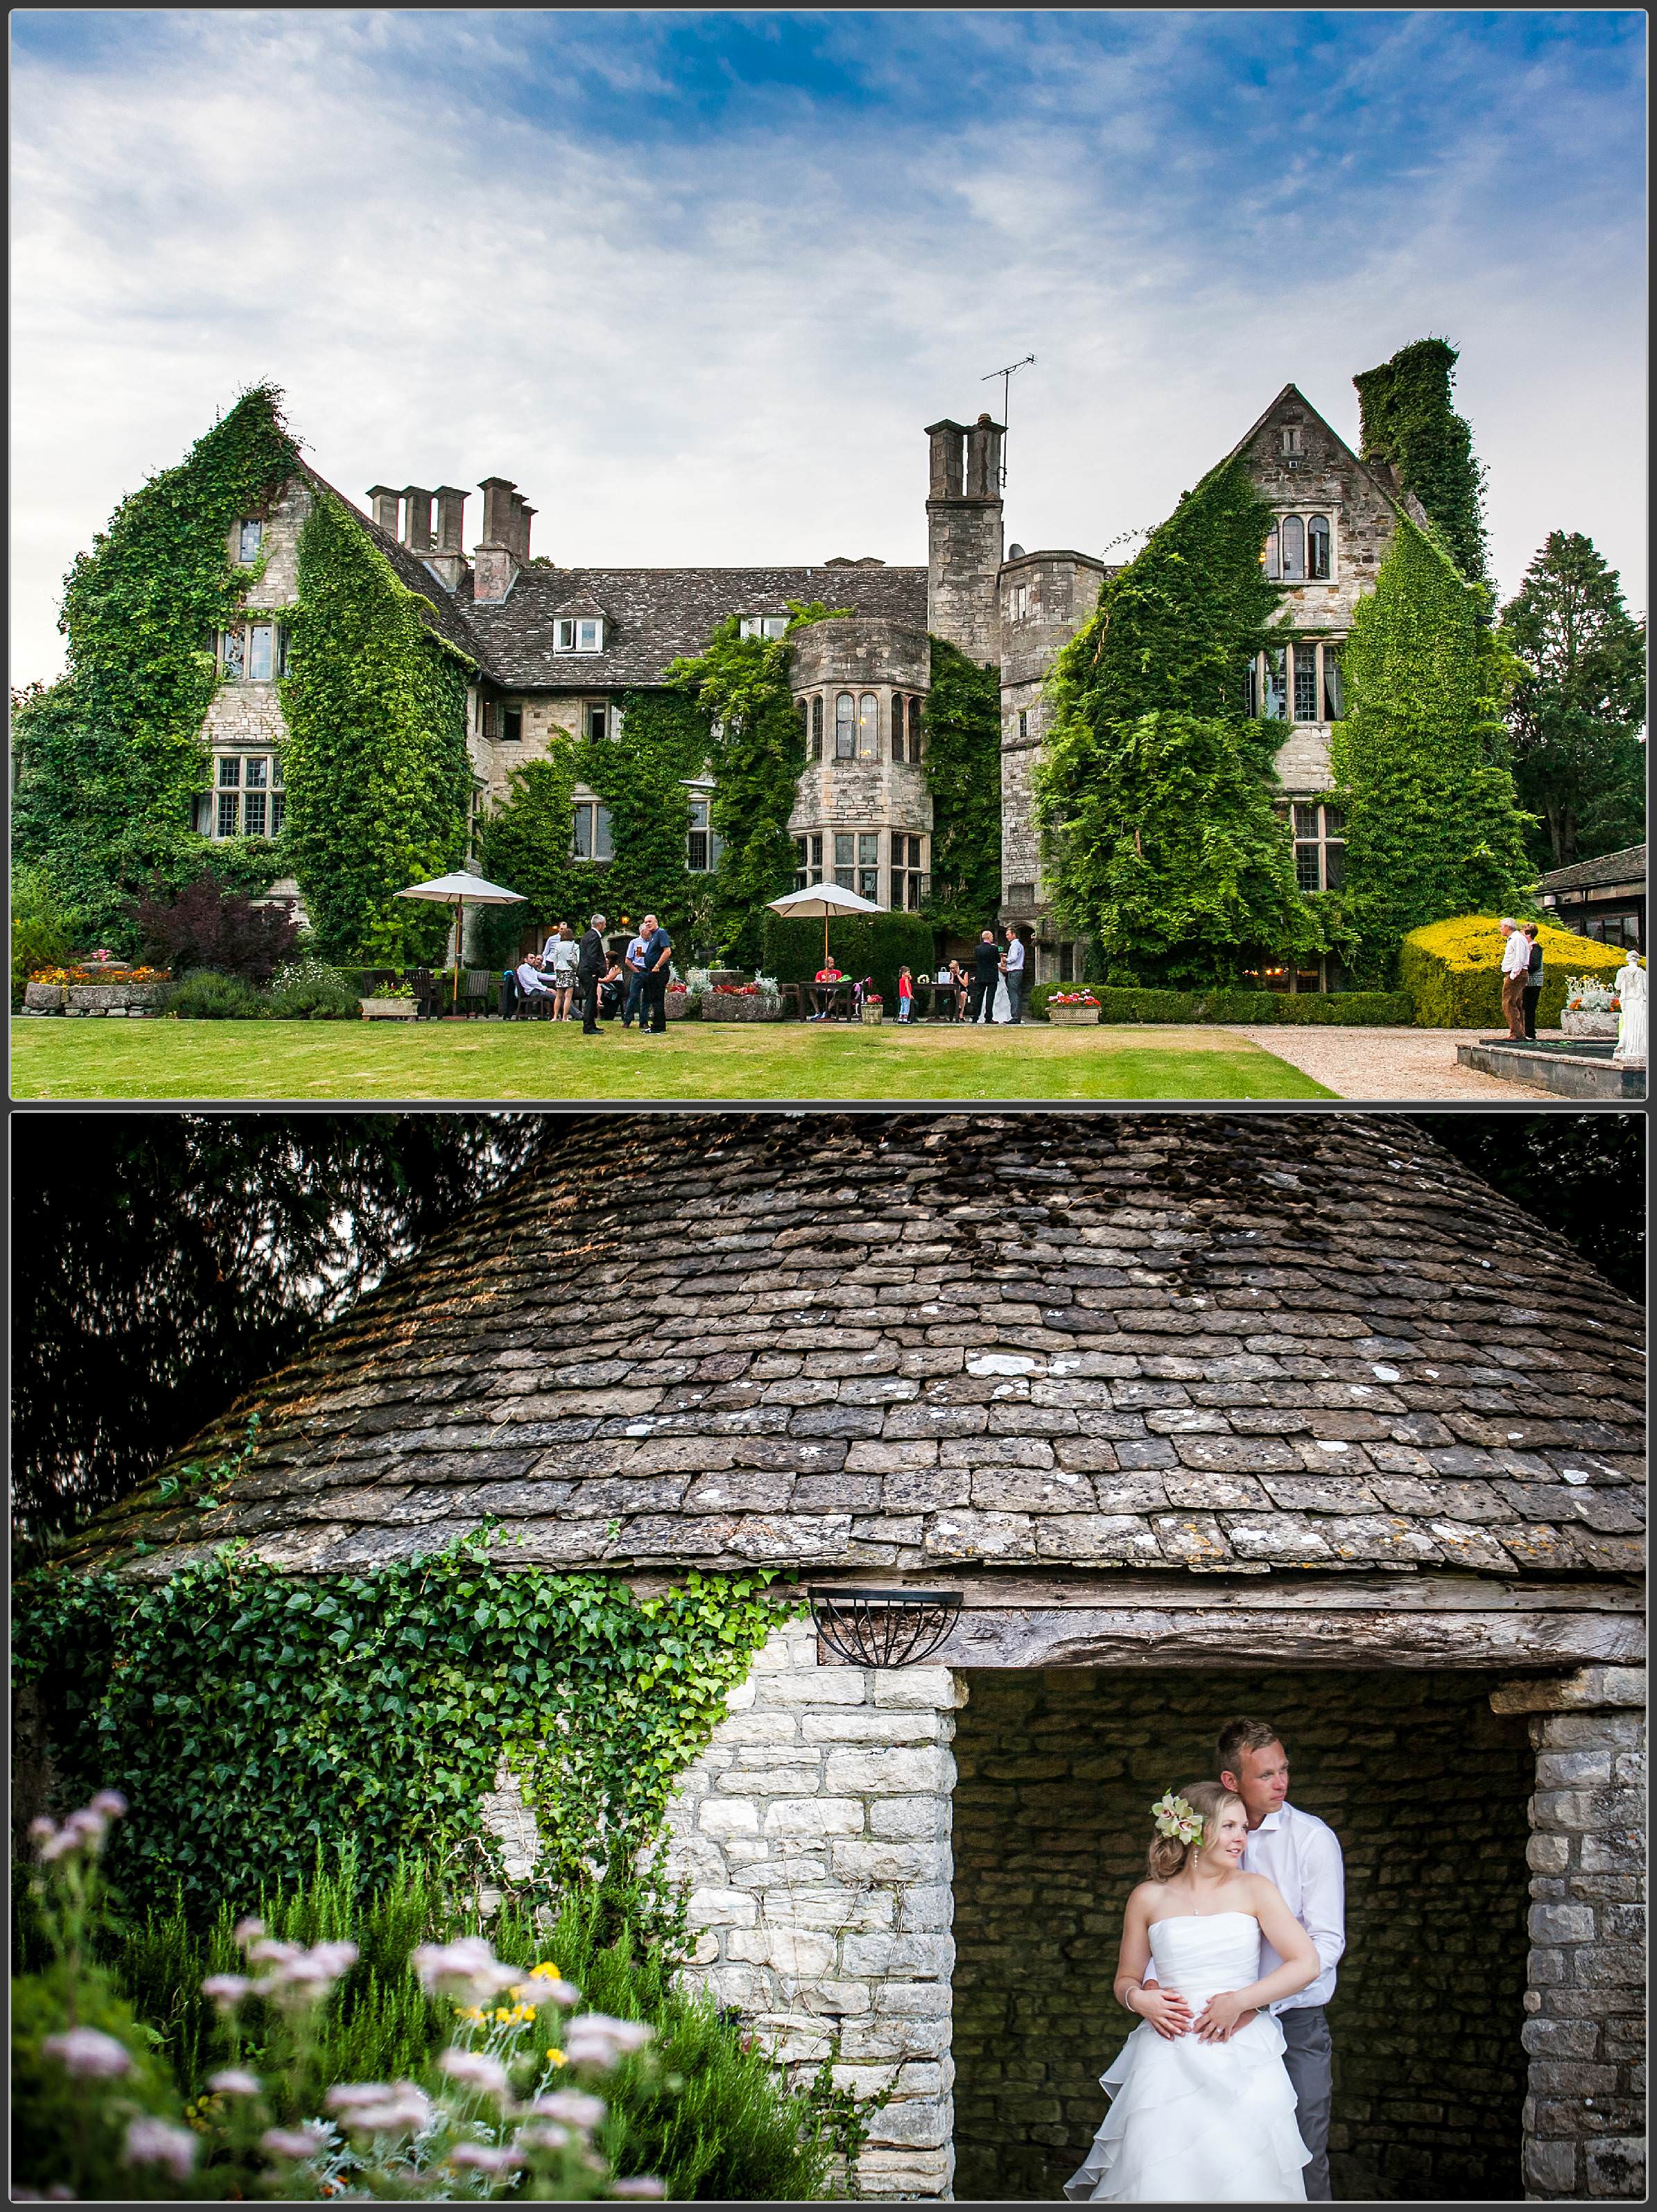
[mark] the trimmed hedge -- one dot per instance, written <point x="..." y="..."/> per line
<point x="1453" y="969"/>
<point x="1344" y="1009"/>
<point x="793" y="950"/>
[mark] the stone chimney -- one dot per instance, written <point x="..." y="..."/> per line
<point x="964" y="536"/>
<point x="520" y="526"/>
<point x="447" y="560"/>
<point x="384" y="506"/>
<point x="416" y="519"/>
<point x="495" y="557"/>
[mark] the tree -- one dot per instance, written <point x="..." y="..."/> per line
<point x="160" y="1263"/>
<point x="1408" y="423"/>
<point x="1433" y="827"/>
<point x="1154" y="798"/>
<point x="207" y="927"/>
<point x="1578" y="710"/>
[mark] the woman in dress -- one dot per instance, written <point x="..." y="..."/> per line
<point x="566" y="954"/>
<point x="1202" y="2107"/>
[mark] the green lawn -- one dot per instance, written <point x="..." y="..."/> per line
<point x="195" y="1060"/>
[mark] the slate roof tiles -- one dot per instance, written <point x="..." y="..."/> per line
<point x="1221" y="1343"/>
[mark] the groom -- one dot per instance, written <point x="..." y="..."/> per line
<point x="1301" y="1854"/>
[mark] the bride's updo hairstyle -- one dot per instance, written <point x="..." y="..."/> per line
<point x="1170" y="1854"/>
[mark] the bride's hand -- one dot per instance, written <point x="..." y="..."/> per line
<point x="1222" y="2016"/>
<point x="1166" y="2011"/>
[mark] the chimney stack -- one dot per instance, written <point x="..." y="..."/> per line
<point x="520" y="526"/>
<point x="416" y="519"/>
<point x="385" y="503"/>
<point x="447" y="559"/>
<point x="497" y="560"/>
<point x="963" y="535"/>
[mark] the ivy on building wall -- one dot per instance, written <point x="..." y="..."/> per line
<point x="962" y="763"/>
<point x="378" y="777"/>
<point x="1154" y="793"/>
<point x="756" y="748"/>
<point x="1407" y="420"/>
<point x="252" y="1716"/>
<point x="110" y="757"/>
<point x="1433" y="827"/>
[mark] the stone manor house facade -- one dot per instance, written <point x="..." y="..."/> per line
<point x="558" y="648"/>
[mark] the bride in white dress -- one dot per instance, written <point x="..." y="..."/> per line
<point x="999" y="1007"/>
<point x="1202" y="2109"/>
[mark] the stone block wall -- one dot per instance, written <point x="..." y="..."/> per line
<point x="814" y="1835"/>
<point x="1427" y="1789"/>
<point x="1586" y="2029"/>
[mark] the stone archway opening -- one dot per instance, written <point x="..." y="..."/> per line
<point x="1428" y="1791"/>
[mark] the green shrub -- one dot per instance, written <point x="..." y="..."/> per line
<point x="43" y="929"/>
<point x="1338" y="1009"/>
<point x="1452" y="971"/>
<point x="793" y="950"/>
<point x="308" y="991"/>
<point x="206" y="996"/>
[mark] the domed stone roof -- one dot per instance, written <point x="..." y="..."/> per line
<point x="1216" y="1341"/>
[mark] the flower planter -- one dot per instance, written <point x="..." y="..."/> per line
<point x="45" y="998"/>
<point x="102" y="998"/>
<point x="389" y="1010"/>
<point x="872" y="1016"/>
<point x="1073" y="1018"/>
<point x="1597" y="1025"/>
<point x="676" y="1004"/>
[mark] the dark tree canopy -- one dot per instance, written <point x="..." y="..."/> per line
<point x="1576" y="714"/>
<point x="1582" y="1175"/>
<point x="162" y="1262"/>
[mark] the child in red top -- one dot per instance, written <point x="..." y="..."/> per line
<point x="906" y="995"/>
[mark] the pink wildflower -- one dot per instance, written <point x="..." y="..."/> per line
<point x="111" y="1804"/>
<point x="227" y="1990"/>
<point x="89" y="2054"/>
<point x="486" y="2158"/>
<point x="234" y="2081"/>
<point x="593" y="2038"/>
<point x="477" y="2070"/>
<point x="640" y="2185"/>
<point x="573" y="2105"/>
<point x="292" y="2142"/>
<point x="157" y="2142"/>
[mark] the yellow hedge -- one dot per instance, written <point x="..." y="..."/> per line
<point x="1453" y="970"/>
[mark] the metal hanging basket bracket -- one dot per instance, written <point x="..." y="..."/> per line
<point x="884" y="1627"/>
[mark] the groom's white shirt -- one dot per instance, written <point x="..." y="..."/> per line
<point x="1302" y="1855"/>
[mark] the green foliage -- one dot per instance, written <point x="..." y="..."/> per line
<point x="377" y="778"/>
<point x="205" y="995"/>
<point x="524" y="847"/>
<point x="313" y="999"/>
<point x="43" y="931"/>
<point x="61" y="2134"/>
<point x="1343" y="1009"/>
<point x="110" y="757"/>
<point x="1577" y="711"/>
<point x="756" y="748"/>
<point x="1154" y="795"/>
<point x="250" y="1717"/>
<point x="1407" y="422"/>
<point x="875" y="945"/>
<point x="962" y="763"/>
<point x="1432" y="826"/>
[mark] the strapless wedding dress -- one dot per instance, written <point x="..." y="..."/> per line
<point x="1198" y="2122"/>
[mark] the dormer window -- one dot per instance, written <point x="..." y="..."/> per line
<point x="765" y="625"/>
<point x="250" y="535"/>
<point x="579" y="634"/>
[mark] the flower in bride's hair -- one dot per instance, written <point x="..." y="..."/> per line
<point x="1174" y="1817"/>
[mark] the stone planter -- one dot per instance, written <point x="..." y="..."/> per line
<point x="104" y="997"/>
<point x="389" y="1010"/>
<point x="733" y="1006"/>
<point x="676" y="1003"/>
<point x="871" y="1016"/>
<point x="1073" y="1018"/>
<point x="45" y="998"/>
<point x="1603" y="1027"/>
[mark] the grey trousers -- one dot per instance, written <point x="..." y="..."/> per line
<point x="1309" y="2056"/>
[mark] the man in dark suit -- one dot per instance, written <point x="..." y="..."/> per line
<point x="590" y="962"/>
<point x="987" y="972"/>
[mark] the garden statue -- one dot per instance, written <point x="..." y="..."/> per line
<point x="1630" y="1050"/>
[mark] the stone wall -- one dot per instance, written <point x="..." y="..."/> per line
<point x="814" y="1833"/>
<point x="1427" y="1788"/>
<point x="1586" y="2032"/>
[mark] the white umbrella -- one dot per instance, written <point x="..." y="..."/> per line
<point x="456" y="888"/>
<point x="825" y="899"/>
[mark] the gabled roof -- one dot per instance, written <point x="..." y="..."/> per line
<point x="1627" y="866"/>
<point x="1223" y="1343"/>
<point x="443" y="613"/>
<point x="656" y="615"/>
<point x="1382" y="479"/>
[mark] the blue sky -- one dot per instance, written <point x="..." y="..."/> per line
<point x="696" y="280"/>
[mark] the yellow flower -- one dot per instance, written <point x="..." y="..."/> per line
<point x="547" y="1971"/>
<point x="555" y="2057"/>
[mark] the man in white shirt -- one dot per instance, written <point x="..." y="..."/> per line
<point x="1012" y="967"/>
<point x="530" y="983"/>
<point x="1302" y="1855"/>
<point x="1515" y="967"/>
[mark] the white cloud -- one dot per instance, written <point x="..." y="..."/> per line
<point x="699" y="344"/>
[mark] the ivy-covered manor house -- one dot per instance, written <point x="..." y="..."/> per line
<point x="547" y="648"/>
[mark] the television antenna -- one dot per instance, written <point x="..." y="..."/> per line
<point x="1006" y="376"/>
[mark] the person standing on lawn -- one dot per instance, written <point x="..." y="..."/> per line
<point x="658" y="952"/>
<point x="906" y="995"/>
<point x="1012" y="966"/>
<point x="592" y="958"/>
<point x="633" y="961"/>
<point x="1515" y="967"/>
<point x="987" y="972"/>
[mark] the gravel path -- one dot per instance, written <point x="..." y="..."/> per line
<point x="1383" y="1066"/>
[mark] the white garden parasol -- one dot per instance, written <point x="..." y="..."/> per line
<point x="456" y="890"/>
<point x="825" y="900"/>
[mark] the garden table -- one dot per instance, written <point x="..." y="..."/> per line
<point x="941" y="997"/>
<point x="827" y="997"/>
